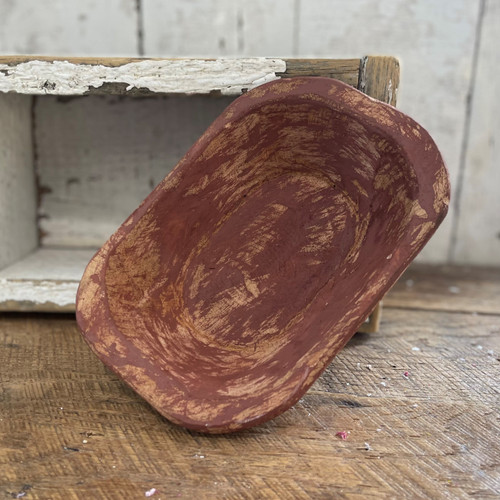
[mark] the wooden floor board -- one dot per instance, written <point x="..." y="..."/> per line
<point x="69" y="428"/>
<point x="447" y="288"/>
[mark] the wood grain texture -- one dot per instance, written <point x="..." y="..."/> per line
<point x="478" y="219"/>
<point x="72" y="76"/>
<point x="448" y="288"/>
<point x="435" y="431"/>
<point x="379" y="78"/>
<point x="345" y="70"/>
<point x="317" y="198"/>
<point x="18" y="200"/>
<point x="142" y="77"/>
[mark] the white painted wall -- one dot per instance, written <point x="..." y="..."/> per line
<point x="447" y="50"/>
<point x="18" y="230"/>
<point x="116" y="152"/>
<point x="64" y="27"/>
<point x="477" y="234"/>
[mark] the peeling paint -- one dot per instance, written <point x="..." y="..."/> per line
<point x="46" y="280"/>
<point x="186" y="76"/>
<point x="61" y="294"/>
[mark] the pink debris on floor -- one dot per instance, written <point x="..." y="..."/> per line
<point x="406" y="374"/>
<point x="343" y="435"/>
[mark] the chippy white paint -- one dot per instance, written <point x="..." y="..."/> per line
<point x="187" y="76"/>
<point x="46" y="276"/>
<point x="31" y="294"/>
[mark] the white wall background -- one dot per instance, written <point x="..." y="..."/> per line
<point x="448" y="50"/>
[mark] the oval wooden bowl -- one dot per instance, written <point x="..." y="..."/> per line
<point x="223" y="297"/>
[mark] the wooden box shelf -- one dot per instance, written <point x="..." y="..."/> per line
<point x="84" y="140"/>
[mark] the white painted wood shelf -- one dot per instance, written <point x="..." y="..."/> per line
<point x="149" y="76"/>
<point x="84" y="140"/>
<point x="45" y="280"/>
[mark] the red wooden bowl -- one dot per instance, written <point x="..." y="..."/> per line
<point x="223" y="297"/>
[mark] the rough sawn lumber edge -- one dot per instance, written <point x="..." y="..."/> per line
<point x="132" y="76"/>
<point x="379" y="78"/>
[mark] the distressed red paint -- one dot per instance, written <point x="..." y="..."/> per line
<point x="228" y="291"/>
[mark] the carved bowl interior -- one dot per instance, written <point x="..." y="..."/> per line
<point x="229" y="290"/>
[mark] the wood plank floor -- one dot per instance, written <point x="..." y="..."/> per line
<point x="69" y="428"/>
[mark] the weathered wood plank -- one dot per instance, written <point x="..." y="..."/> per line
<point x="144" y="76"/>
<point x="447" y="288"/>
<point x="434" y="42"/>
<point x="379" y="78"/>
<point x="478" y="231"/>
<point x="46" y="280"/>
<point x="70" y="429"/>
<point x="372" y="324"/>
<point x="346" y="70"/>
<point x="135" y="76"/>
<point x="65" y="28"/>
<point x="18" y="229"/>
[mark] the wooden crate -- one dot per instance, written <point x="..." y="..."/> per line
<point x="84" y="140"/>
